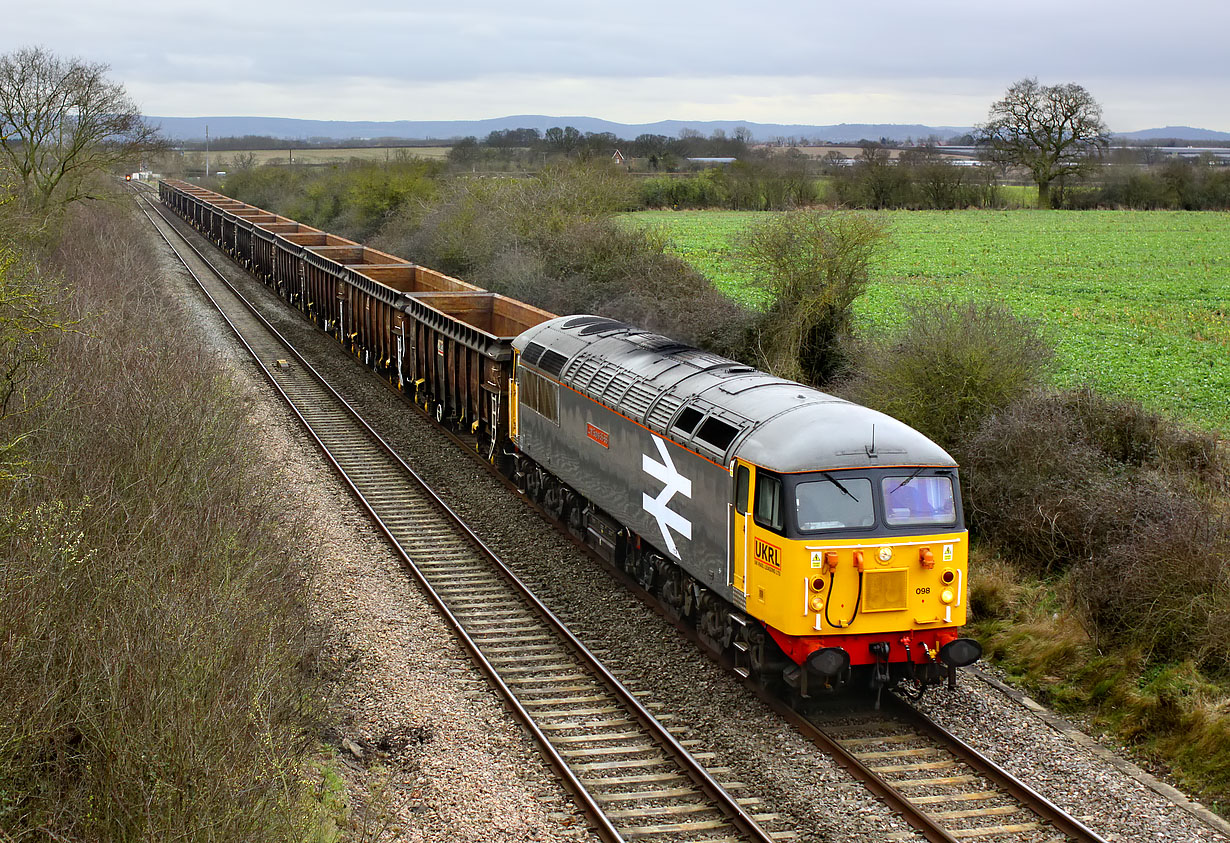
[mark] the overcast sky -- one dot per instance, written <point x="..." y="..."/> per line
<point x="808" y="61"/>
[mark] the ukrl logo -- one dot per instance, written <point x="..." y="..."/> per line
<point x="659" y="507"/>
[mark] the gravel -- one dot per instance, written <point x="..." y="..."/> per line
<point x="406" y="674"/>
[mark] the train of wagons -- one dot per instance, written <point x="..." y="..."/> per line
<point x="808" y="539"/>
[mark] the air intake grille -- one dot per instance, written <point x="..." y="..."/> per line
<point x="532" y="353"/>
<point x="553" y="362"/>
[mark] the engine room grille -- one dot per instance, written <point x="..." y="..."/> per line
<point x="662" y="413"/>
<point x="552" y="361"/>
<point x="885" y="591"/>
<point x="636" y="401"/>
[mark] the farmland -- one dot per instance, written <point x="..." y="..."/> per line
<point x="1136" y="303"/>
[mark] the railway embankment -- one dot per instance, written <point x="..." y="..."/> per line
<point x="156" y="645"/>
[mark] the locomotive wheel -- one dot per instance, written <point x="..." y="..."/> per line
<point x="534" y="484"/>
<point x="714" y="622"/>
<point x="577" y="517"/>
<point x="672" y="592"/>
<point x="646" y="571"/>
<point x="553" y="500"/>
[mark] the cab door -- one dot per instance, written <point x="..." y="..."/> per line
<point x="741" y="494"/>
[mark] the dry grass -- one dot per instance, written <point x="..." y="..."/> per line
<point x="155" y="646"/>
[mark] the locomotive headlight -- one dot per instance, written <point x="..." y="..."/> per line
<point x="946" y="595"/>
<point x="817" y="603"/>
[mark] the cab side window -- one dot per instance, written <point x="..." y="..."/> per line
<point x="769" y="502"/>
<point x="743" y="481"/>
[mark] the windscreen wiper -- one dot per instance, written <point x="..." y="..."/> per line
<point x="917" y="472"/>
<point x="837" y="483"/>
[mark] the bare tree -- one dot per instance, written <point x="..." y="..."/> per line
<point x="61" y="121"/>
<point x="1051" y="130"/>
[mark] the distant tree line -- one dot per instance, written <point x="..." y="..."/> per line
<point x="660" y="152"/>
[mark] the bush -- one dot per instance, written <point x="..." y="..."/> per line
<point x="951" y="365"/>
<point x="812" y="265"/>
<point x="352" y="200"/>
<point x="1125" y="500"/>
<point x="152" y="629"/>
<point x="553" y="241"/>
<point x="1163" y="584"/>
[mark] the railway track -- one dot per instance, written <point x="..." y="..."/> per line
<point x="941" y="785"/>
<point x="595" y="738"/>
<point x="631" y="777"/>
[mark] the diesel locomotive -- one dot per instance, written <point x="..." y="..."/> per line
<point x="809" y="539"/>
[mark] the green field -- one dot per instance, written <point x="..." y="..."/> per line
<point x="1137" y="303"/>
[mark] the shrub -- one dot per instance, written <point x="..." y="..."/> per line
<point x="1163" y="584"/>
<point x="352" y="200"/>
<point x="812" y="265"/>
<point x="951" y="365"/>
<point x="552" y="241"/>
<point x="152" y="629"/>
<point x="1126" y="501"/>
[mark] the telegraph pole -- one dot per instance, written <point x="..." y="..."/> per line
<point x="206" y="150"/>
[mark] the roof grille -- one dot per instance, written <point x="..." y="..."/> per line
<point x="636" y="401"/>
<point x="552" y="361"/>
<point x="663" y="411"/>
<point x="532" y="352"/>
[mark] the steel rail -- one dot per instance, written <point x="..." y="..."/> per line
<point x="692" y="768"/>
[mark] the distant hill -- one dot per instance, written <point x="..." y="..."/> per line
<point x="193" y="128"/>
<point x="1177" y="133"/>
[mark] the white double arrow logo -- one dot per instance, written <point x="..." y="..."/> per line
<point x="659" y="507"/>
